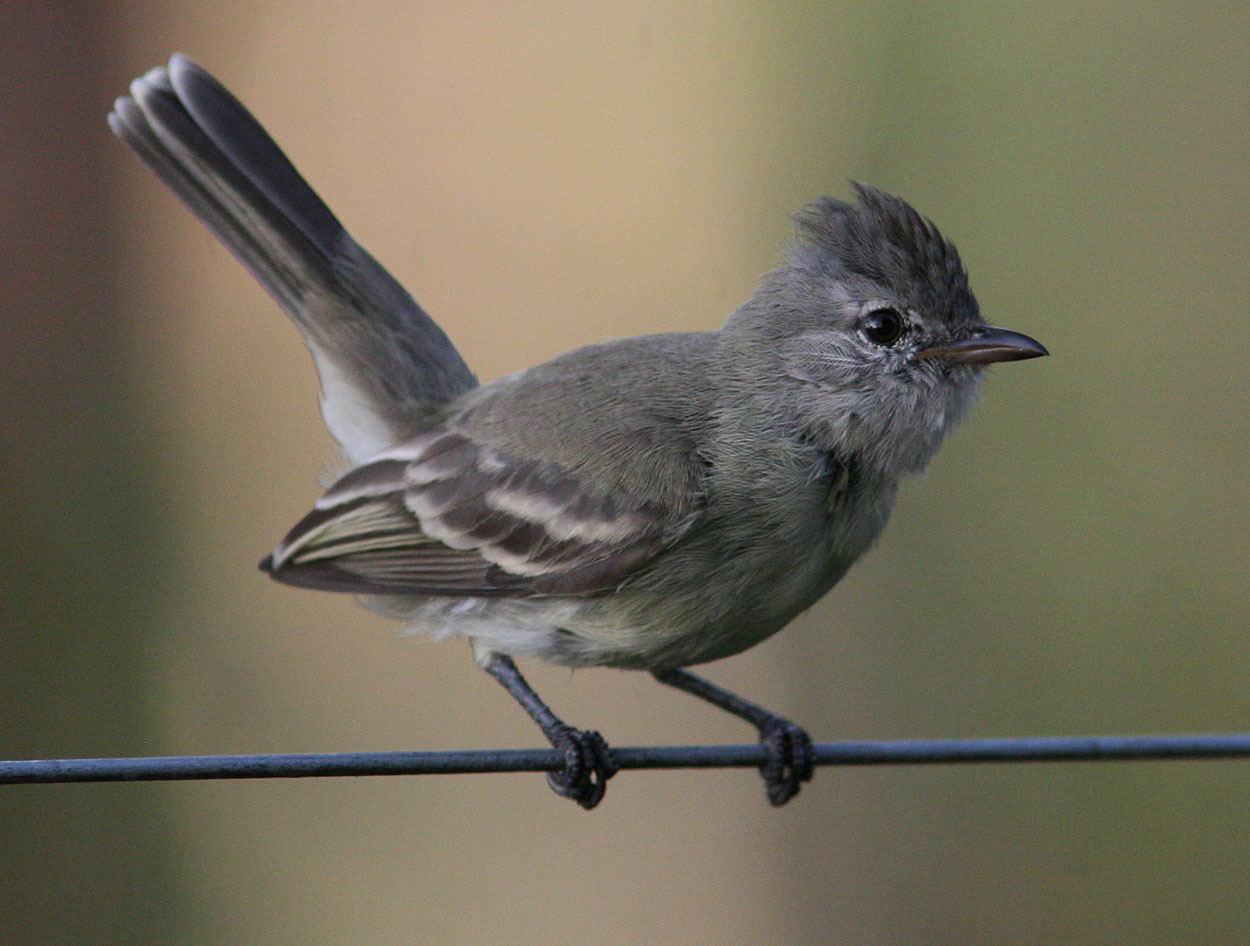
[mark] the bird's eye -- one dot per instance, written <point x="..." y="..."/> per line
<point x="882" y="326"/>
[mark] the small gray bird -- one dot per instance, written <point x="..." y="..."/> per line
<point x="647" y="503"/>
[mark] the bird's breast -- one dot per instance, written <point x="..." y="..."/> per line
<point x="749" y="571"/>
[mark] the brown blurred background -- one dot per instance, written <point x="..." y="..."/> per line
<point x="544" y="175"/>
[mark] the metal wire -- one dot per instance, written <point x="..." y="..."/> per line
<point x="907" y="752"/>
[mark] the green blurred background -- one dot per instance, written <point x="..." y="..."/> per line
<point x="544" y="175"/>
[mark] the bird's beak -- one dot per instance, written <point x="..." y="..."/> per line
<point x="984" y="346"/>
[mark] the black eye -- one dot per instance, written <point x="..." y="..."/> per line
<point x="882" y="326"/>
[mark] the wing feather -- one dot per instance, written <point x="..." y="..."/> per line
<point x="444" y="514"/>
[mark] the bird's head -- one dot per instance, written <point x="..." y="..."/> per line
<point x="872" y="323"/>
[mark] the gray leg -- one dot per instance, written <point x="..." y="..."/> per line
<point x="789" y="748"/>
<point x="588" y="764"/>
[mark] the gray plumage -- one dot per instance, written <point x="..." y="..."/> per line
<point x="381" y="360"/>
<point x="650" y="502"/>
<point x="663" y="501"/>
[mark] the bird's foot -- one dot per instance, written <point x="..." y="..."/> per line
<point x="588" y="764"/>
<point x="791" y="759"/>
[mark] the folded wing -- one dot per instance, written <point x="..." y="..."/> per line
<point x="444" y="514"/>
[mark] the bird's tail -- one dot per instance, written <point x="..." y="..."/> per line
<point x="383" y="362"/>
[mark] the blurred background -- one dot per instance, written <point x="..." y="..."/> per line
<point x="543" y="175"/>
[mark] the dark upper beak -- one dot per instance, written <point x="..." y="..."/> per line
<point x="986" y="345"/>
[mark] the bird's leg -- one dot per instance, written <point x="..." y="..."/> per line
<point x="790" y="756"/>
<point x="588" y="764"/>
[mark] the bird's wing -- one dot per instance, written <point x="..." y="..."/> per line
<point x="382" y="360"/>
<point x="444" y="514"/>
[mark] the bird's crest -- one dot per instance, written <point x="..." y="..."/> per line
<point x="882" y="238"/>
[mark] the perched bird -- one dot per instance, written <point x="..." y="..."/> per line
<point x="647" y="503"/>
